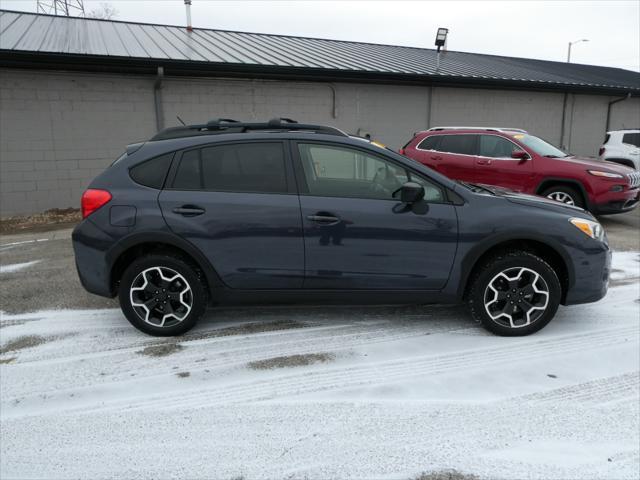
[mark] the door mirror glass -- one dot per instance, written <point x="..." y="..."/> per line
<point x="410" y="192"/>
<point x="520" y="154"/>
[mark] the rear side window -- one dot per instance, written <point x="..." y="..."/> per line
<point x="465" y="144"/>
<point x="430" y="143"/>
<point x="631" y="139"/>
<point x="152" y="172"/>
<point x="250" y="167"/>
<point x="606" y="138"/>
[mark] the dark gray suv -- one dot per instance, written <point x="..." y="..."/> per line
<point x="229" y="212"/>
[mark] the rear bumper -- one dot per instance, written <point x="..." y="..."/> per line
<point x="89" y="246"/>
<point x="591" y="279"/>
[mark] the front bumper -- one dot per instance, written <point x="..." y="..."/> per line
<point x="616" y="202"/>
<point x="591" y="276"/>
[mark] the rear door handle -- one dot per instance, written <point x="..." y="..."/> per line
<point x="326" y="219"/>
<point x="436" y="157"/>
<point x="483" y="162"/>
<point x="189" y="211"/>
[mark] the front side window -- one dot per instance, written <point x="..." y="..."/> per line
<point x="333" y="171"/>
<point x="496" y="147"/>
<point x="250" y="167"/>
<point x="540" y="146"/>
<point x="461" y="144"/>
<point x="631" y="139"/>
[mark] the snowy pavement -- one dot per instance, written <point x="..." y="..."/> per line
<point x="318" y="393"/>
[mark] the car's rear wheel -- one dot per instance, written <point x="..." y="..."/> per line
<point x="162" y="295"/>
<point x="564" y="194"/>
<point x="515" y="293"/>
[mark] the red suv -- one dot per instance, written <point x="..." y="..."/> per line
<point x="516" y="160"/>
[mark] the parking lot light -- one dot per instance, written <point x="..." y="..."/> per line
<point x="441" y="41"/>
<point x="572" y="43"/>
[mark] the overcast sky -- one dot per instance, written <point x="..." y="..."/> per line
<point x="533" y="29"/>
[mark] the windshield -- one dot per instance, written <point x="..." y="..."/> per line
<point x="540" y="146"/>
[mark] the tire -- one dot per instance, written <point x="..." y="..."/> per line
<point x="490" y="294"/>
<point x="169" y="287"/>
<point x="565" y="194"/>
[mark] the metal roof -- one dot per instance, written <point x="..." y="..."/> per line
<point x="52" y="41"/>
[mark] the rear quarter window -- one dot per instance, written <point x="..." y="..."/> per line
<point x="152" y="173"/>
<point x="631" y="139"/>
<point x="430" y="143"/>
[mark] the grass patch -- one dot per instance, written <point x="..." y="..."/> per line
<point x="7" y="360"/>
<point x="161" y="350"/>
<point x="446" y="475"/>
<point x="40" y="221"/>
<point x="183" y="374"/>
<point x="291" y="361"/>
<point x="20" y="343"/>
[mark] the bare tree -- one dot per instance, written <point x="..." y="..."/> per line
<point x="105" y="12"/>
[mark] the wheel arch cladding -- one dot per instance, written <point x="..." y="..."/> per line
<point x="540" y="248"/>
<point x="159" y="242"/>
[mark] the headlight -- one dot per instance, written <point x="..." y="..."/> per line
<point x="599" y="173"/>
<point x="588" y="227"/>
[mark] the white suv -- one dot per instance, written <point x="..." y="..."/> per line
<point x="622" y="146"/>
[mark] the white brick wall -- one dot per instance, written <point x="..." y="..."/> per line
<point x="58" y="130"/>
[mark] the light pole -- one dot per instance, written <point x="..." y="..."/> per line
<point x="569" y="49"/>
<point x="441" y="41"/>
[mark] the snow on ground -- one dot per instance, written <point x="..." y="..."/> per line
<point x="16" y="267"/>
<point x="388" y="393"/>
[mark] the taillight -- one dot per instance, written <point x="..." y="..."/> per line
<point x="92" y="200"/>
<point x="601" y="151"/>
<point x="401" y="151"/>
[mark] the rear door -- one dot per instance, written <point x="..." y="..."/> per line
<point x="237" y="203"/>
<point x="357" y="236"/>
<point x="455" y="156"/>
<point x="496" y="166"/>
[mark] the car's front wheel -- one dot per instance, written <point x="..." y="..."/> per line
<point x="514" y="293"/>
<point x="162" y="295"/>
<point x="564" y="194"/>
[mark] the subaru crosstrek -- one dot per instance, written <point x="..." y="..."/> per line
<point x="521" y="162"/>
<point x="230" y="212"/>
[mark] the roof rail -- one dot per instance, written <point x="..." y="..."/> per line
<point x="489" y="129"/>
<point x="227" y="125"/>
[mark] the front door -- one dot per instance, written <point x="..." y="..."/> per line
<point x="237" y="204"/>
<point x="496" y="166"/>
<point x="357" y="236"/>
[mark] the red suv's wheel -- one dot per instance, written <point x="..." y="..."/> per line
<point x="564" y="194"/>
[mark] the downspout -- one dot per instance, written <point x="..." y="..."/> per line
<point x="334" y="106"/>
<point x="157" y="99"/>
<point x="612" y="102"/>
<point x="564" y="119"/>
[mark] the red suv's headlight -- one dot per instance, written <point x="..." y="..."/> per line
<point x="92" y="200"/>
<point x="600" y="173"/>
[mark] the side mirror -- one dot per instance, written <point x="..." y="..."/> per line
<point x="520" y="154"/>
<point x="410" y="192"/>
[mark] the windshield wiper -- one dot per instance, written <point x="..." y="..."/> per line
<point x="556" y="156"/>
<point x="474" y="187"/>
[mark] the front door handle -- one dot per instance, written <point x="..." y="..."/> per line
<point x="326" y="219"/>
<point x="189" y="210"/>
<point x="484" y="162"/>
<point x="436" y="157"/>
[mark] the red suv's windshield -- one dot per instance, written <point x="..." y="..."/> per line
<point x="540" y="146"/>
